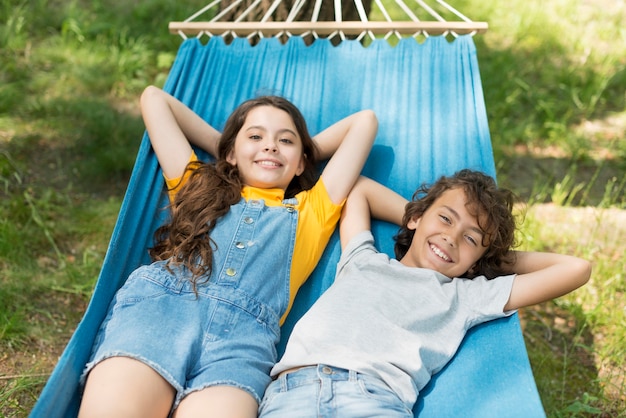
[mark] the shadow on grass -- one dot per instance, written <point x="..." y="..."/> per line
<point x="563" y="180"/>
<point x="80" y="144"/>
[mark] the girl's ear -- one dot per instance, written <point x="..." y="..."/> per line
<point x="231" y="157"/>
<point x="301" y="165"/>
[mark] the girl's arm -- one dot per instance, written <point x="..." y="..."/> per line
<point x="369" y="199"/>
<point x="545" y="276"/>
<point x="173" y="128"/>
<point x="349" y="141"/>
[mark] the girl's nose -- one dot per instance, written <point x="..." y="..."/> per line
<point x="270" y="146"/>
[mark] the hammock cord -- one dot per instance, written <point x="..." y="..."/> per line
<point x="269" y="25"/>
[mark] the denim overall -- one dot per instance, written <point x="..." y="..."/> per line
<point x="224" y="335"/>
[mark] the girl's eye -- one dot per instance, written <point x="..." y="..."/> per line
<point x="444" y="218"/>
<point x="286" y="141"/>
<point x="255" y="137"/>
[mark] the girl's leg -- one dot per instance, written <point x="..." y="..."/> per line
<point x="124" y="387"/>
<point x="218" y="401"/>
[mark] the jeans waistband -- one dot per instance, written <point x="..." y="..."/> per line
<point x="305" y="375"/>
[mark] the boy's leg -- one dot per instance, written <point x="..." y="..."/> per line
<point x="124" y="387"/>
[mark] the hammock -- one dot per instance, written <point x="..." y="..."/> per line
<point x="432" y="121"/>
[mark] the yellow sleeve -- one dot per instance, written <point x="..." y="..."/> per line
<point x="174" y="185"/>
<point x="318" y="217"/>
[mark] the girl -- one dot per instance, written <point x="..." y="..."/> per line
<point x="195" y="332"/>
<point x="373" y="340"/>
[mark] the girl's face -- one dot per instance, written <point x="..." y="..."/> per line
<point x="268" y="150"/>
<point x="447" y="237"/>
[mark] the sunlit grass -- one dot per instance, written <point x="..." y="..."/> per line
<point x="548" y="66"/>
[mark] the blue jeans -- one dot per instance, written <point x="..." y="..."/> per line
<point x="325" y="391"/>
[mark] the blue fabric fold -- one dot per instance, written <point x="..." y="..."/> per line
<point x="432" y="121"/>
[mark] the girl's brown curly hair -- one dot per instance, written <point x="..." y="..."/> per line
<point x="493" y="208"/>
<point x="213" y="187"/>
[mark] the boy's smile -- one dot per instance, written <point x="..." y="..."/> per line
<point x="448" y="238"/>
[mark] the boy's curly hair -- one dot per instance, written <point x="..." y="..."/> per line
<point x="493" y="208"/>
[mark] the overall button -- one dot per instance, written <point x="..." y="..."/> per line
<point x="327" y="370"/>
<point x="231" y="271"/>
<point x="240" y="245"/>
<point x="248" y="220"/>
<point x="254" y="202"/>
<point x="291" y="209"/>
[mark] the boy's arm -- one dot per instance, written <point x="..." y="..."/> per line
<point x="369" y="199"/>
<point x="348" y="143"/>
<point x="544" y="276"/>
<point x="173" y="128"/>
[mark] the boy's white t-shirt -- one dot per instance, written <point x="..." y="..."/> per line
<point x="394" y="322"/>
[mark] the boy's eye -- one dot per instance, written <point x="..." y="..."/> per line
<point x="444" y="218"/>
<point x="471" y="240"/>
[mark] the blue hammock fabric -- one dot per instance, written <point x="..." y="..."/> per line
<point x="432" y="121"/>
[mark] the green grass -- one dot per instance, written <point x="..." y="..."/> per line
<point x="71" y="73"/>
<point x="577" y="343"/>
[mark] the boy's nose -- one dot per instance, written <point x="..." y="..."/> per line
<point x="449" y="239"/>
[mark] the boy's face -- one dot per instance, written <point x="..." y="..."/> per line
<point x="447" y="237"/>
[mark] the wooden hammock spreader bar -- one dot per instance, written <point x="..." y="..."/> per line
<point x="327" y="28"/>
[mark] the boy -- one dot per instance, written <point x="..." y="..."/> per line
<point x="377" y="335"/>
